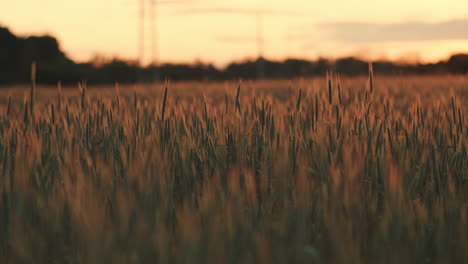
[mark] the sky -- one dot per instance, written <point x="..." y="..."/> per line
<point x="221" y="31"/>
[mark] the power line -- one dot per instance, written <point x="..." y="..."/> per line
<point x="258" y="15"/>
<point x="141" y="30"/>
<point x="153" y="24"/>
<point x="154" y="35"/>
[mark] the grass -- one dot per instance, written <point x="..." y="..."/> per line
<point x="361" y="170"/>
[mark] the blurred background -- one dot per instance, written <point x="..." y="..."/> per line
<point x="150" y="40"/>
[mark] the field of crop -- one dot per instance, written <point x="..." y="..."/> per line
<point x="357" y="170"/>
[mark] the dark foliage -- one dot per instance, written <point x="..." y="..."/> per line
<point x="16" y="55"/>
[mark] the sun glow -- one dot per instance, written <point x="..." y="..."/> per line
<point x="206" y="30"/>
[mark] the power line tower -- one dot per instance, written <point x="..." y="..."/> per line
<point x="260" y="43"/>
<point x="142" y="13"/>
<point x="154" y="40"/>
<point x="153" y="36"/>
<point x="141" y="39"/>
<point x="258" y="15"/>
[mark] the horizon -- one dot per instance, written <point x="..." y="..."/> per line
<point x="256" y="132"/>
<point x="391" y="31"/>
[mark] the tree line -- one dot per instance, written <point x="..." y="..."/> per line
<point x="17" y="53"/>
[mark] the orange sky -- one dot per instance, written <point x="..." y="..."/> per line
<point x="220" y="31"/>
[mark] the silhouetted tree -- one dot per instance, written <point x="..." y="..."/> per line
<point x="458" y="63"/>
<point x="16" y="55"/>
<point x="351" y="66"/>
<point x="10" y="56"/>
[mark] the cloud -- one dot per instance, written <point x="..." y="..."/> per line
<point x="235" y="39"/>
<point x="352" y="32"/>
<point x="165" y="2"/>
<point x="239" y="11"/>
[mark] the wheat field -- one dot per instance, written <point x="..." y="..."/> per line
<point x="325" y="170"/>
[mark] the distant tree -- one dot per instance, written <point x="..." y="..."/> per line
<point x="321" y="66"/>
<point x="45" y="49"/>
<point x="351" y="66"/>
<point x="17" y="53"/>
<point x="458" y="63"/>
<point x="10" y="56"/>
<point x="247" y="70"/>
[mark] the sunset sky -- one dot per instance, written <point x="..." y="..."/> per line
<point x="220" y="31"/>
